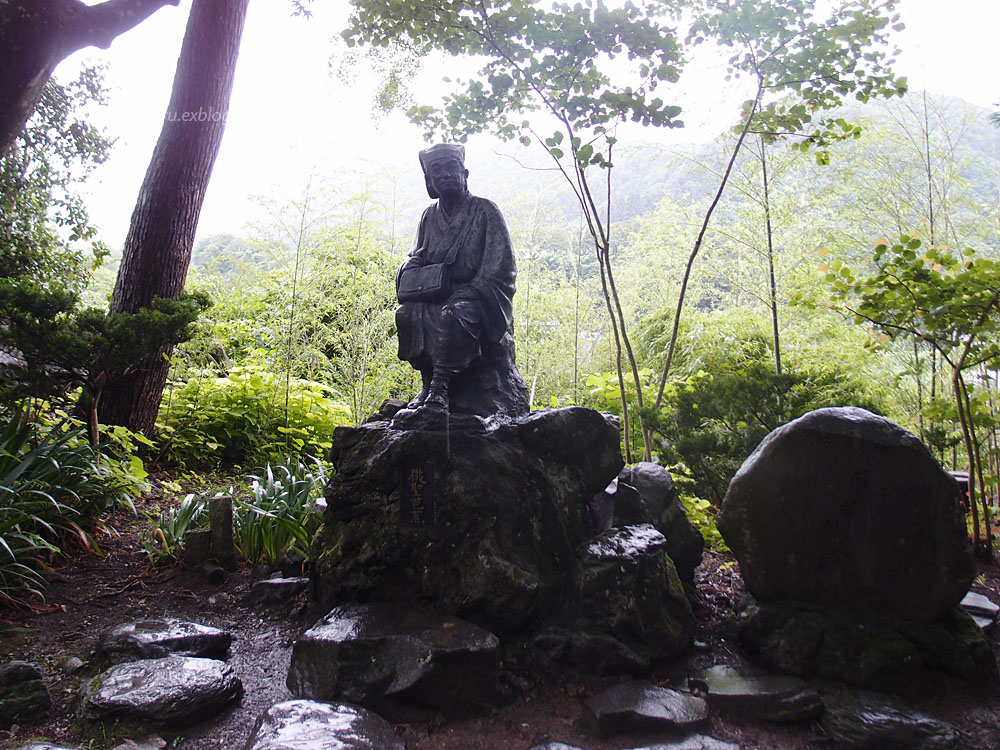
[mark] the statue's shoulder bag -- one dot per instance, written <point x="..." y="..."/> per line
<point x="423" y="283"/>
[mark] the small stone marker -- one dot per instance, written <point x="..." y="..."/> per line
<point x="197" y="546"/>
<point x="770" y="697"/>
<point x="152" y="639"/>
<point x="866" y="719"/>
<point x="416" y="495"/>
<point x="310" y="725"/>
<point x="174" y="691"/>
<point x="220" y="518"/>
<point x="639" y="705"/>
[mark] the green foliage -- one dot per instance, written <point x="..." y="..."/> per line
<point x="54" y="489"/>
<point x="250" y="415"/>
<point x="947" y="299"/>
<point x="802" y="63"/>
<point x="701" y="514"/>
<point x="62" y="345"/>
<point x="164" y="538"/>
<point x="281" y="516"/>
<point x="42" y="218"/>
<point x="554" y="58"/>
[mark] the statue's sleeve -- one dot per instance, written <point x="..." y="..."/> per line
<point x="495" y="278"/>
<point x="415" y="256"/>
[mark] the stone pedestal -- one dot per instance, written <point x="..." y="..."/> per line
<point x="488" y="521"/>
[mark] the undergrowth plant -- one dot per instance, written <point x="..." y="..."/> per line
<point x="56" y="491"/>
<point x="274" y="514"/>
<point x="281" y="516"/>
<point x="242" y="418"/>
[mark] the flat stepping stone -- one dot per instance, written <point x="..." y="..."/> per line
<point x="365" y="653"/>
<point x="555" y="746"/>
<point x="694" y="742"/>
<point x="310" y="725"/>
<point x="153" y="639"/>
<point x="174" y="690"/>
<point x="639" y="705"/>
<point x="24" y="699"/>
<point x="865" y="719"/>
<point x="770" y="697"/>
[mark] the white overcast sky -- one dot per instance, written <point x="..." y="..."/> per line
<point x="290" y="118"/>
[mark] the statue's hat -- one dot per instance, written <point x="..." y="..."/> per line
<point x="436" y="153"/>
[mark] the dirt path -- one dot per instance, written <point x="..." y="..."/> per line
<point x="85" y="600"/>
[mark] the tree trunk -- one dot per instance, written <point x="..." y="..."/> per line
<point x="35" y="36"/>
<point x="158" y="246"/>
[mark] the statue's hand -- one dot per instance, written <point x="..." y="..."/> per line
<point x="465" y="294"/>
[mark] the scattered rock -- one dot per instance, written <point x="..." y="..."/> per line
<point x="70" y="665"/>
<point x="639" y="705"/>
<point x="871" y="720"/>
<point x="846" y="509"/>
<point x="151" y="639"/>
<point x="555" y="746"/>
<point x="509" y="515"/>
<point x="867" y="650"/>
<point x="367" y="653"/>
<point x="629" y="589"/>
<point x="273" y="591"/>
<point x="774" y="698"/>
<point x="597" y="653"/>
<point x="44" y="746"/>
<point x="983" y="611"/>
<point x="24" y="699"/>
<point x="694" y="742"/>
<point x="309" y="725"/>
<point x="174" y="690"/>
<point x="149" y="743"/>
<point x="292" y="564"/>
<point x="214" y="574"/>
<point x="661" y="502"/>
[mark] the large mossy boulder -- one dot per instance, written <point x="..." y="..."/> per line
<point x="843" y="508"/>
<point x="502" y="514"/>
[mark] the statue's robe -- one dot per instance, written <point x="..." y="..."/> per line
<point x="475" y="310"/>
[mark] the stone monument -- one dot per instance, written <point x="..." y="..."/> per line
<point x="463" y="504"/>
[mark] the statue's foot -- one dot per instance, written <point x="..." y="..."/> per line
<point x="418" y="401"/>
<point x="436" y="399"/>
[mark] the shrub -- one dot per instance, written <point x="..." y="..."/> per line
<point x="250" y="416"/>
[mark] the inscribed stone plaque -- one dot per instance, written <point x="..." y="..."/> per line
<point x="416" y="494"/>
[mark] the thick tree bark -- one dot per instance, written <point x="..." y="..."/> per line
<point x="158" y="246"/>
<point x="35" y="35"/>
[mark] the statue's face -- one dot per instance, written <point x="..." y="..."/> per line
<point x="448" y="177"/>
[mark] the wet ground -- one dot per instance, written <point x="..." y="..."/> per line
<point x="86" y="599"/>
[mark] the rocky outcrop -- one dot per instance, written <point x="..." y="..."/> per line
<point x="371" y="653"/>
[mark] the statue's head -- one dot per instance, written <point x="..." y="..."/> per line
<point x="444" y="169"/>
